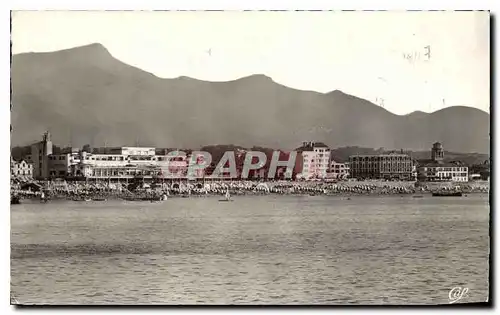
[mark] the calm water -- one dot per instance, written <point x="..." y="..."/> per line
<point x="256" y="250"/>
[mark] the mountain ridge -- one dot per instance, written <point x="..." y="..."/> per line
<point x="84" y="81"/>
<point x="100" y="47"/>
<point x="96" y="47"/>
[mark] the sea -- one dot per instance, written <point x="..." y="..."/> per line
<point x="257" y="250"/>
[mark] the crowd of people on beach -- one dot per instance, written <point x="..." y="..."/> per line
<point x="120" y="190"/>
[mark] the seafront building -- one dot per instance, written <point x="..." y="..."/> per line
<point x="338" y="170"/>
<point x="102" y="163"/>
<point x="39" y="156"/>
<point x="383" y="166"/>
<point x="126" y="166"/>
<point x="436" y="169"/>
<point x="314" y="160"/>
<point x="21" y="168"/>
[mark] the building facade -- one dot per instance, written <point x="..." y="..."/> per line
<point x="314" y="160"/>
<point x="39" y="157"/>
<point x="385" y="166"/>
<point x="443" y="172"/>
<point x="127" y="163"/>
<point x="63" y="165"/>
<point x="119" y="163"/>
<point x="338" y="170"/>
<point x="21" y="168"/>
<point x="436" y="169"/>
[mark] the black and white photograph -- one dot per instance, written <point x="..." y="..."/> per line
<point x="250" y="158"/>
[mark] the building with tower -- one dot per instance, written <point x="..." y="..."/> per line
<point x="39" y="157"/>
<point x="314" y="161"/>
<point x="436" y="169"/>
<point x="437" y="152"/>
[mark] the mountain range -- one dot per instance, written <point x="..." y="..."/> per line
<point x="84" y="95"/>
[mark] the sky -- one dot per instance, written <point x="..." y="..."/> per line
<point x="403" y="61"/>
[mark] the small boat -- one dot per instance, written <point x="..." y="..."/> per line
<point x="152" y="198"/>
<point x="15" y="200"/>
<point x="447" y="194"/>
<point x="99" y="199"/>
<point x="418" y="196"/>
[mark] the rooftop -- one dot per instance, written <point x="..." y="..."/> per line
<point x="319" y="145"/>
<point x="376" y="155"/>
<point x="19" y="160"/>
<point x="304" y="149"/>
<point x="310" y="146"/>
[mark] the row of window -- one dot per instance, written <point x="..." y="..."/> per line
<point x="377" y="167"/>
<point x="339" y="171"/>
<point x="337" y="166"/>
<point x="105" y="173"/>
<point x="320" y="160"/>
<point x="380" y="173"/>
<point x="21" y="172"/>
<point x="447" y="169"/>
<point x="140" y="153"/>
<point x="382" y="163"/>
<point x="316" y="166"/>
<point x="105" y="158"/>
<point x="453" y="174"/>
<point x="378" y="158"/>
<point x="133" y="158"/>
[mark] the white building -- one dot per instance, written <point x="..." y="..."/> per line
<point x="115" y="165"/>
<point x="126" y="151"/>
<point x="436" y="169"/>
<point x="21" y="168"/>
<point x="138" y="151"/>
<point x="120" y="163"/>
<point x="338" y="170"/>
<point x="315" y="160"/>
<point x="62" y="165"/>
<point x="444" y="172"/>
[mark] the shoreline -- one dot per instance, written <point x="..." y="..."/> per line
<point x="104" y="198"/>
<point x="152" y="192"/>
